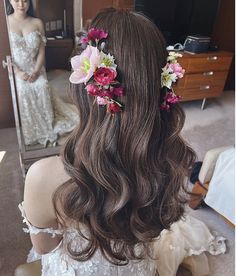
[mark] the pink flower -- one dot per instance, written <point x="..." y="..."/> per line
<point x="114" y="108"/>
<point x="104" y="76"/>
<point x="118" y="91"/>
<point x="177" y="69"/>
<point x="84" y="40"/>
<point x="172" y="98"/>
<point x="101" y="101"/>
<point x="96" y="34"/>
<point x="92" y="89"/>
<point x="165" y="107"/>
<point x="84" y="65"/>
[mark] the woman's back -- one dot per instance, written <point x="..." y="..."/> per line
<point x="188" y="238"/>
<point x="51" y="174"/>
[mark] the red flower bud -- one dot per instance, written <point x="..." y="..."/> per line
<point x="114" y="108"/>
<point x="106" y="93"/>
<point x="96" y="34"/>
<point x="92" y="89"/>
<point x="118" y="91"/>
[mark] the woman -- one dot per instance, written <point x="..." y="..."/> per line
<point x="124" y="169"/>
<point x="43" y="117"/>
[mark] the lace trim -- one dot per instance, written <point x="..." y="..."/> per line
<point x="216" y="246"/>
<point x="35" y="230"/>
<point x="43" y="37"/>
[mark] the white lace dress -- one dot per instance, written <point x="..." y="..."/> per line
<point x="186" y="243"/>
<point x="43" y="116"/>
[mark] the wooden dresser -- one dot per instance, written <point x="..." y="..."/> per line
<point x="58" y="53"/>
<point x="205" y="75"/>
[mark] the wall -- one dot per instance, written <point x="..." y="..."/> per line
<point x="224" y="35"/>
<point x="6" y="108"/>
<point x="53" y="10"/>
<point x="78" y="15"/>
<point x="92" y="7"/>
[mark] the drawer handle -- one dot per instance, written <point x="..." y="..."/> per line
<point x="206" y="87"/>
<point x="208" y="73"/>
<point x="212" y="58"/>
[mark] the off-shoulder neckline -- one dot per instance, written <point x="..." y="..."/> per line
<point x="23" y="36"/>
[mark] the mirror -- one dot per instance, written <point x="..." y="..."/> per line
<point x="41" y="36"/>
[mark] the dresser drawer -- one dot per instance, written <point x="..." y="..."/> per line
<point x="205" y="64"/>
<point x="201" y="79"/>
<point x="199" y="93"/>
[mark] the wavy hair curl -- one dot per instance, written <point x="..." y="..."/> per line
<point x="128" y="170"/>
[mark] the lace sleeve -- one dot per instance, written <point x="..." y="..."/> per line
<point x="43" y="37"/>
<point x="35" y="230"/>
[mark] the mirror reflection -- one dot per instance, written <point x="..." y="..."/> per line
<point x="38" y="30"/>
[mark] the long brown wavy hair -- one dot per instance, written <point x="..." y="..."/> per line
<point x="128" y="170"/>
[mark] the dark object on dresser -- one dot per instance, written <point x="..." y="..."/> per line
<point x="197" y="44"/>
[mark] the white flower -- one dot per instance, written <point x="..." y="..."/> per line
<point x="173" y="57"/>
<point x="174" y="54"/>
<point x="167" y="77"/>
<point x="107" y="60"/>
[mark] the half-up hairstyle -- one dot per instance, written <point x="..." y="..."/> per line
<point x="129" y="169"/>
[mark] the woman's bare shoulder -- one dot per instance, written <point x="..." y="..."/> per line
<point x="10" y="19"/>
<point x="47" y="173"/>
<point x="35" y="20"/>
<point x="42" y="180"/>
<point x="37" y="23"/>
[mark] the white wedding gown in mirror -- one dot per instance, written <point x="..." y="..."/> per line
<point x="43" y="116"/>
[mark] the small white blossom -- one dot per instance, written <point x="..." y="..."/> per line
<point x="108" y="61"/>
<point x="167" y="77"/>
<point x="173" y="57"/>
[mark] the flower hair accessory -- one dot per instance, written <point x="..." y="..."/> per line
<point x="171" y="73"/>
<point x="97" y="71"/>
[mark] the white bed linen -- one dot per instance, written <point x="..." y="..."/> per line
<point x="221" y="192"/>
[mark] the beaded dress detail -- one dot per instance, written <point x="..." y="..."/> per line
<point x="43" y="115"/>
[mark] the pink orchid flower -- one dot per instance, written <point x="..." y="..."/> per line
<point x="85" y="64"/>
